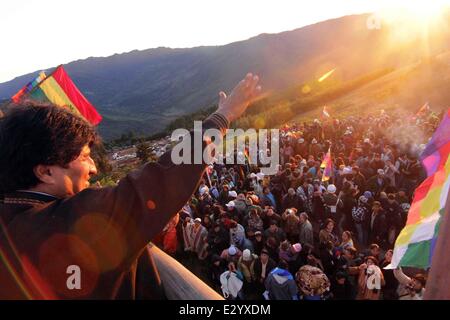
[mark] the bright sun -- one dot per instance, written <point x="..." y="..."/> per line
<point x="425" y="10"/>
<point x="410" y="18"/>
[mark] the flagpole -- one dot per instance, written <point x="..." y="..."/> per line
<point x="438" y="284"/>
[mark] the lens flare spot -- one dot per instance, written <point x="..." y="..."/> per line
<point x="151" y="204"/>
<point x="259" y="123"/>
<point x="59" y="252"/>
<point x="104" y="237"/>
<point x="306" y="89"/>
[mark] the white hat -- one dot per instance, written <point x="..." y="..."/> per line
<point x="363" y="199"/>
<point x="380" y="171"/>
<point x="314" y="141"/>
<point x="331" y="188"/>
<point x="230" y="204"/>
<point x="246" y="255"/>
<point x="232" y="194"/>
<point x="203" y="190"/>
<point x="297" y="247"/>
<point x="348" y="170"/>
<point x="232" y="250"/>
<point x="252" y="175"/>
<point x="367" y="140"/>
<point x="301" y="140"/>
<point x="198" y="220"/>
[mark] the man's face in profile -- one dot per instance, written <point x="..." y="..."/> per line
<point x="75" y="178"/>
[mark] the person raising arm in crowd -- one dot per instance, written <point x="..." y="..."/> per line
<point x="52" y="220"/>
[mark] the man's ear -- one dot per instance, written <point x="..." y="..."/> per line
<point x="44" y="173"/>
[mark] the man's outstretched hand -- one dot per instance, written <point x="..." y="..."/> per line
<point x="234" y="105"/>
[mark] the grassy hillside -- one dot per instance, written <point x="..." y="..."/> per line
<point x="407" y="88"/>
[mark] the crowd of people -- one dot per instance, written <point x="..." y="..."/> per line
<point x="294" y="235"/>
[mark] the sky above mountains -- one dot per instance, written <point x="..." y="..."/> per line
<point x="43" y="33"/>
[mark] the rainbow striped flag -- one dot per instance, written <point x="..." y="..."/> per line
<point x="28" y="87"/>
<point x="60" y="90"/>
<point x="327" y="166"/>
<point x="415" y="244"/>
<point x="436" y="151"/>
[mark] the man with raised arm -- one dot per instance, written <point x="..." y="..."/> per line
<point x="60" y="239"/>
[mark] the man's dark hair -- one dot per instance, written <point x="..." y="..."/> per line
<point x="32" y="134"/>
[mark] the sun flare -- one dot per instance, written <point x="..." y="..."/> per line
<point x="419" y="12"/>
<point x="426" y="10"/>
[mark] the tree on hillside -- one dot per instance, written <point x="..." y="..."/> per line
<point x="142" y="151"/>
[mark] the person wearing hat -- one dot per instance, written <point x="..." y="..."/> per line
<point x="289" y="252"/>
<point x="232" y="253"/>
<point x="232" y="195"/>
<point x="232" y="211"/>
<point x="280" y="283"/>
<point x="315" y="148"/>
<point x="195" y="238"/>
<point x="246" y="265"/>
<point x="302" y="148"/>
<point x="330" y="200"/>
